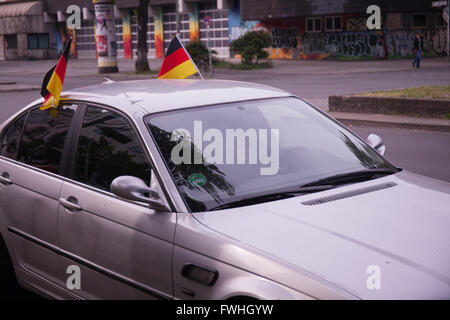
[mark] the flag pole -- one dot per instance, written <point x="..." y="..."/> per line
<point x="201" y="76"/>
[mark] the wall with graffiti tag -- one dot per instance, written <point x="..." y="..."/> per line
<point x="347" y="44"/>
<point x="352" y="40"/>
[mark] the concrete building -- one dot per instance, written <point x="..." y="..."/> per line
<point x="300" y="29"/>
<point x="47" y="19"/>
<point x="317" y="29"/>
<point x="24" y="34"/>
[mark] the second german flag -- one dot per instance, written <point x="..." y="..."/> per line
<point x="177" y="64"/>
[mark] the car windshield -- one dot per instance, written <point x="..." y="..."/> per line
<point x="223" y="153"/>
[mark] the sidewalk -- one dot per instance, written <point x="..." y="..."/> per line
<point x="340" y="67"/>
<point x="88" y="67"/>
<point x="75" y="67"/>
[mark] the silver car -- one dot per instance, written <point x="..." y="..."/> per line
<point x="188" y="189"/>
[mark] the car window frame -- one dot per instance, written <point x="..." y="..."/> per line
<point x="27" y="112"/>
<point x="9" y="124"/>
<point x="74" y="139"/>
<point x="71" y="160"/>
<point x="71" y="144"/>
<point x="66" y="149"/>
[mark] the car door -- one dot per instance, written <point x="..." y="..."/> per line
<point x="123" y="249"/>
<point x="31" y="156"/>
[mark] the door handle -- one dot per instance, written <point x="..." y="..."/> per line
<point x="4" y="178"/>
<point x="70" y="204"/>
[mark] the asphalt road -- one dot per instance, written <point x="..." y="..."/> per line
<point x="423" y="152"/>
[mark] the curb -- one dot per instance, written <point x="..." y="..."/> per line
<point x="394" y="106"/>
<point x="31" y="88"/>
<point x="402" y="124"/>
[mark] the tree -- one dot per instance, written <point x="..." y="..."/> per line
<point x="199" y="52"/>
<point x="251" y="46"/>
<point x="142" y="61"/>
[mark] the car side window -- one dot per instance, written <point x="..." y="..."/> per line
<point x="11" y="136"/>
<point x="44" y="137"/>
<point x="108" y="148"/>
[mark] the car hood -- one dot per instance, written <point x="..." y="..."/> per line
<point x="388" y="238"/>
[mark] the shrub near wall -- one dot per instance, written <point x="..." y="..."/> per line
<point x="251" y="46"/>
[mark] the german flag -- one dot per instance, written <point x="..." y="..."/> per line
<point x="177" y="64"/>
<point x="54" y="80"/>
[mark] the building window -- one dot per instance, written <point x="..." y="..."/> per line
<point x="11" y="41"/>
<point x="333" y="23"/>
<point x="314" y="24"/>
<point x="38" y="41"/>
<point x="419" y="21"/>
<point x="394" y="21"/>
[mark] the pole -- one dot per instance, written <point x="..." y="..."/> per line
<point x="209" y="48"/>
<point x="177" y="15"/>
<point x="105" y="36"/>
<point x="198" y="70"/>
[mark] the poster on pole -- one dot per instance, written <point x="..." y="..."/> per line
<point x="105" y="36"/>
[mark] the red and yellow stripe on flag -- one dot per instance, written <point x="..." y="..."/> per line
<point x="177" y="64"/>
<point x="54" y="80"/>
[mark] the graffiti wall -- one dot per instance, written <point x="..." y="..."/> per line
<point x="159" y="33"/>
<point x="291" y="41"/>
<point x="353" y="40"/>
<point x="400" y="42"/>
<point x="346" y="44"/>
<point x="126" y="31"/>
<point x="437" y="40"/>
<point x="285" y="38"/>
<point x="237" y="27"/>
<point x="193" y="24"/>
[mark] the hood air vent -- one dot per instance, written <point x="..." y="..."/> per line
<point x="348" y="194"/>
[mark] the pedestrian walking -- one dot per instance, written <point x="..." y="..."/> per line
<point x="418" y="50"/>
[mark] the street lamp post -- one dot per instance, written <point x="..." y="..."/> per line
<point x="177" y="17"/>
<point x="105" y="36"/>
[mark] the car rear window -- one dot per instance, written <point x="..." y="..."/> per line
<point x="44" y="137"/>
<point x="11" y="138"/>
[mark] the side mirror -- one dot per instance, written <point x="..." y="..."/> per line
<point x="133" y="188"/>
<point x="377" y="143"/>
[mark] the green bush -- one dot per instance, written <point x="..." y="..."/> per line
<point x="251" y="46"/>
<point x="199" y="52"/>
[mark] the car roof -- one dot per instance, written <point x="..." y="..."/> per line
<point x="161" y="95"/>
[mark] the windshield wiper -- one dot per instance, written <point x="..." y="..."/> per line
<point x="349" y="177"/>
<point x="310" y="187"/>
<point x="288" y="193"/>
